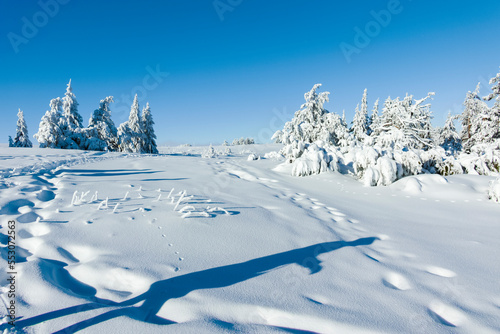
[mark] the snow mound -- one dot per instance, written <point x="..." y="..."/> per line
<point x="494" y="190"/>
<point x="314" y="160"/>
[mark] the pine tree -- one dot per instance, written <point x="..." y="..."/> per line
<point x="49" y="132"/>
<point x="472" y="117"/>
<point x="72" y="118"/>
<point x="335" y="131"/>
<point x="374" y="119"/>
<point x="495" y="81"/>
<point x="11" y="142"/>
<point x="449" y="139"/>
<point x="72" y="121"/>
<point x="130" y="133"/>
<point x="22" y="138"/>
<point x="125" y="138"/>
<point x="491" y="120"/>
<point x="405" y="123"/>
<point x="102" y="127"/>
<point x="149" y="143"/>
<point x="307" y="123"/>
<point x="360" y="124"/>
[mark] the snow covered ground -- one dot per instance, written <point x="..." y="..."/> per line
<point x="127" y="243"/>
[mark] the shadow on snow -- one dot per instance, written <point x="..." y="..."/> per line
<point x="176" y="287"/>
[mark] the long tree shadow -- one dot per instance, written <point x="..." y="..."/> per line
<point x="161" y="291"/>
<point x="103" y="172"/>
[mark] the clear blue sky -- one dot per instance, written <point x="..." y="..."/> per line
<point x="229" y="70"/>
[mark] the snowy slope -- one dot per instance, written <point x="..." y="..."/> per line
<point x="106" y="246"/>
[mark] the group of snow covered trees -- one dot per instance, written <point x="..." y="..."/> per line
<point x="383" y="147"/>
<point x="241" y="141"/>
<point x="62" y="127"/>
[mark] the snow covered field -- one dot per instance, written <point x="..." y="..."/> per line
<point x="129" y="243"/>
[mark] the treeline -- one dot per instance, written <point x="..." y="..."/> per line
<point x="381" y="147"/>
<point x="62" y="127"/>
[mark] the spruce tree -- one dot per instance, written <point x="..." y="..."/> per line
<point x="472" y="116"/>
<point x="49" y="132"/>
<point x="374" y="118"/>
<point x="72" y="121"/>
<point x="71" y="116"/>
<point x="149" y="139"/>
<point x="491" y="120"/>
<point x="22" y="138"/>
<point x="449" y="139"/>
<point x="307" y="123"/>
<point x="360" y="122"/>
<point x="102" y="127"/>
<point x="131" y="136"/>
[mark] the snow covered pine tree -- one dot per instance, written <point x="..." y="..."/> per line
<point x="49" y="133"/>
<point x="22" y="138"/>
<point x="149" y="138"/>
<point x="72" y="121"/>
<point x="101" y="134"/>
<point x="130" y="132"/>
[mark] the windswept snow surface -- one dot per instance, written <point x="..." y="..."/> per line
<point x="127" y="243"/>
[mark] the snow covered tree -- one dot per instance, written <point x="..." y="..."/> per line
<point x="495" y="81"/>
<point x="360" y="123"/>
<point x="335" y="131"/>
<point x="209" y="153"/>
<point x="49" y="132"/>
<point x="149" y="138"/>
<point x="130" y="133"/>
<point x="72" y="121"/>
<point x="11" y="142"/>
<point x="225" y="143"/>
<point x="125" y="138"/>
<point x="101" y="134"/>
<point x="22" y="138"/>
<point x="373" y="122"/>
<point x="449" y="139"/>
<point x="307" y="123"/>
<point x="471" y="119"/>
<point x="405" y="124"/>
<point x="490" y="125"/>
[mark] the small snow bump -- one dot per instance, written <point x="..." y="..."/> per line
<point x="438" y="271"/>
<point x="396" y="281"/>
<point x="446" y="315"/>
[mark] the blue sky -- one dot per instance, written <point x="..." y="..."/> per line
<point x="239" y="67"/>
